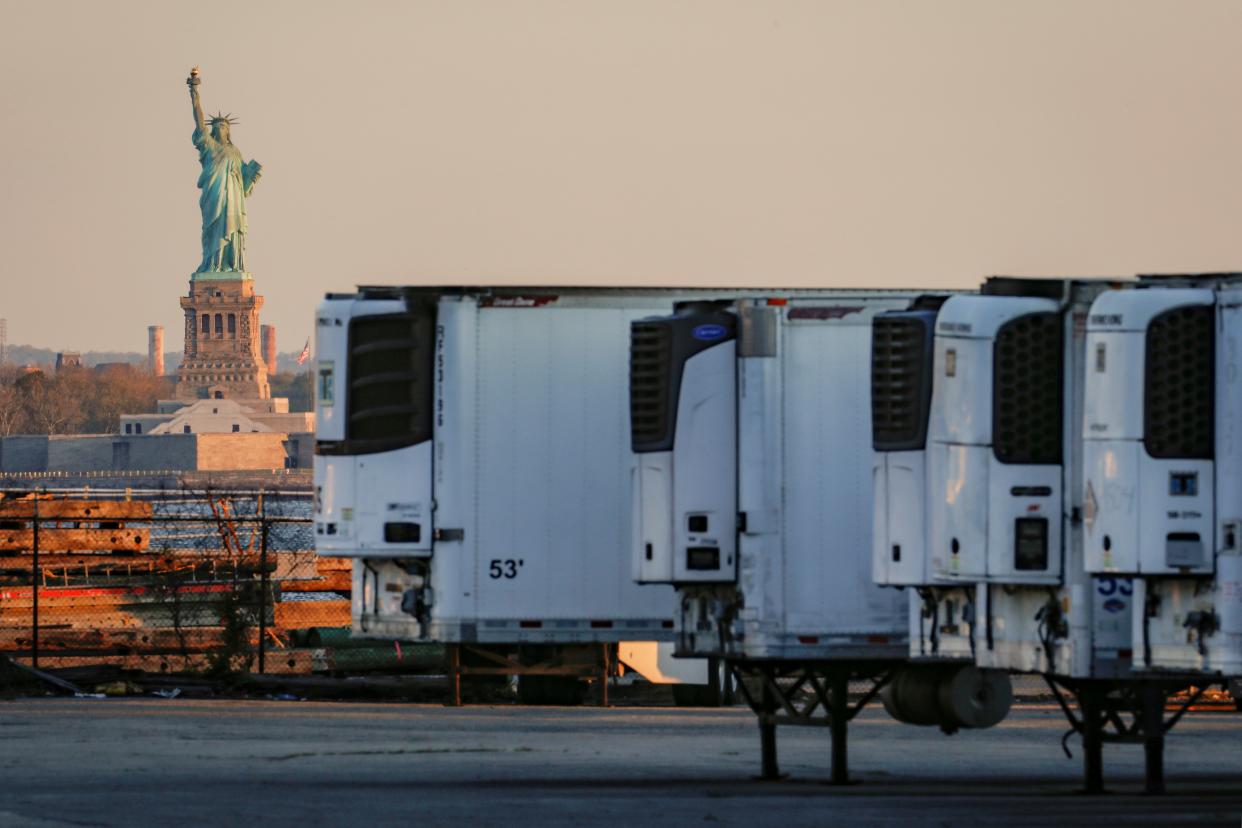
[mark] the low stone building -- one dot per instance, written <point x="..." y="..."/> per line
<point x="226" y="416"/>
<point x="251" y="451"/>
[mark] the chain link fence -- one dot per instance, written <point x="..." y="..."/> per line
<point x="174" y="580"/>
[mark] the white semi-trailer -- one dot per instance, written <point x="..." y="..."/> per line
<point x="1001" y="577"/>
<point x="753" y="491"/>
<point x="1164" y="468"/>
<point x="1003" y="568"/>
<point x="472" y="457"/>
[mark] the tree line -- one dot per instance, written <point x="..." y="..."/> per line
<point x="78" y="400"/>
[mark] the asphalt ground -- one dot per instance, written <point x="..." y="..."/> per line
<point x="123" y="762"/>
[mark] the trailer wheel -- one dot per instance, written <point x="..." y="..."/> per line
<point x="566" y="691"/>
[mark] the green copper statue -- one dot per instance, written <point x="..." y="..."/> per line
<point x="226" y="181"/>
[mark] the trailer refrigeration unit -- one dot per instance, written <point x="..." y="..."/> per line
<point x="751" y="480"/>
<point x="1163" y="466"/>
<point x="472" y="458"/>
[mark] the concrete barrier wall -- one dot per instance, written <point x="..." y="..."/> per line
<point x="165" y="452"/>
<point x="24" y="453"/>
<point x="116" y="452"/>
<point x="80" y="452"/>
<point x="222" y="452"/>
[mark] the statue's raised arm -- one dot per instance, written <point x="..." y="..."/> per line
<point x="193" y="81"/>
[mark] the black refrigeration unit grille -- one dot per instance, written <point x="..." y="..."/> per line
<point x="1027" y="390"/>
<point x="391" y="367"/>
<point x="1179" y="383"/>
<point x="901" y="374"/>
<point x="651" y="357"/>
<point x="659" y="350"/>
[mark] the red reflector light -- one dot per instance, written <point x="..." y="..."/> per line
<point x="808" y="639"/>
<point x="778" y="302"/>
<point x="668" y="625"/>
<point x="530" y="625"/>
<point x="877" y="639"/>
<point x="1125" y="653"/>
<point x="601" y="625"/>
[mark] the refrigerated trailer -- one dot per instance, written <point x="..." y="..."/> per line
<point x="472" y="458"/>
<point x="1001" y="571"/>
<point x="997" y="556"/>
<point x="751" y="431"/>
<point x="1164" y="468"/>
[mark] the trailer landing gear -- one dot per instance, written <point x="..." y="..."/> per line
<point x="807" y="694"/>
<point x="1121" y="711"/>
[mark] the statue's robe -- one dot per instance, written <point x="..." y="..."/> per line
<point x="225" y="182"/>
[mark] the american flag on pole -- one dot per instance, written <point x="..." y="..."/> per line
<point x="305" y="355"/>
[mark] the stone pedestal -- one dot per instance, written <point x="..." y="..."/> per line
<point x="222" y="349"/>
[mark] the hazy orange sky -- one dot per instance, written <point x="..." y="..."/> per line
<point x="776" y="143"/>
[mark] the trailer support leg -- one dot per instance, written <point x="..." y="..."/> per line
<point x="1153" y="737"/>
<point x="1092" y="738"/>
<point x="767" y="732"/>
<point x="838" y="719"/>
<point x="603" y="675"/>
<point x="454" y="671"/>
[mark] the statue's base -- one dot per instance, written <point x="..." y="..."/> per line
<point x="222" y="356"/>
<point x="220" y="276"/>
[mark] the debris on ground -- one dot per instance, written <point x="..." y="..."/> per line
<point x="47" y="680"/>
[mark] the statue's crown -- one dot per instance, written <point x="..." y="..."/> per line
<point x="223" y="119"/>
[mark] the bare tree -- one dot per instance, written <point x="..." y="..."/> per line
<point x="47" y="411"/>
<point x="12" y="410"/>
<point x="75" y="400"/>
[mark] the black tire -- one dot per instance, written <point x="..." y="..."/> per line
<point x="564" y="691"/>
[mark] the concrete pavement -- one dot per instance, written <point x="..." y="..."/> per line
<point x="160" y="762"/>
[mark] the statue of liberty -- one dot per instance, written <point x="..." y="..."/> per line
<point x="226" y="181"/>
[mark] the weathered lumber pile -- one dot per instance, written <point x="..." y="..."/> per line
<point x="105" y="595"/>
<point x="72" y="525"/>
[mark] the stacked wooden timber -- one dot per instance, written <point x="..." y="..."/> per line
<point x="106" y="597"/>
<point x="73" y="525"/>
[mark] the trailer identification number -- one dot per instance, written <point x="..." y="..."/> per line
<point x="439" y="376"/>
<point x="507" y="568"/>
